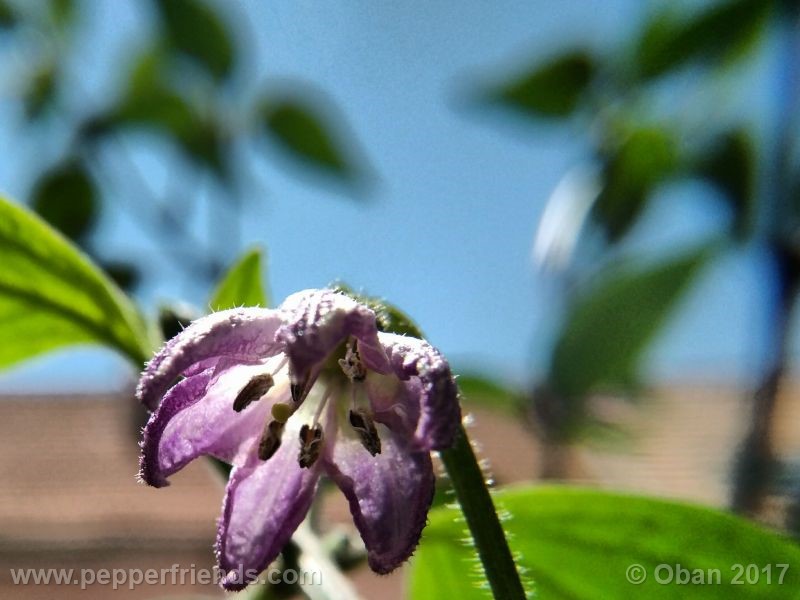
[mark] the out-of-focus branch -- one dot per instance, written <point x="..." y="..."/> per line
<point x="182" y="246"/>
<point x="756" y="462"/>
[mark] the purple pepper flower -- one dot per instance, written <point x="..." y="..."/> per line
<point x="288" y="394"/>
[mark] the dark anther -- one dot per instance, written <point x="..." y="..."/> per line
<point x="255" y="388"/>
<point x="362" y="422"/>
<point x="310" y="445"/>
<point x="270" y="440"/>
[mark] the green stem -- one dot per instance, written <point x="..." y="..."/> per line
<point x="484" y="524"/>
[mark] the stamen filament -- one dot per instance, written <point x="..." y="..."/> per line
<point x="321" y="406"/>
<point x="281" y="365"/>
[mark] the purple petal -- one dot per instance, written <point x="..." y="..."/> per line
<point x="197" y="418"/>
<point x="317" y="321"/>
<point x="389" y="494"/>
<point x="394" y="402"/>
<point x="264" y="504"/>
<point x="246" y="334"/>
<point x="417" y="362"/>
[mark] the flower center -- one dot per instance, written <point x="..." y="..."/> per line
<point x="315" y="396"/>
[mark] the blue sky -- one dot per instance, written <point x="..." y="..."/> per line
<point x="447" y="229"/>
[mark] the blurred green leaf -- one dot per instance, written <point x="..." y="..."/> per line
<point x="66" y="198"/>
<point x="204" y="144"/>
<point x="40" y="90"/>
<point x="551" y="90"/>
<point x="51" y="295"/>
<point x="631" y="171"/>
<point x="607" y="330"/>
<point x="579" y="544"/>
<point x="731" y="165"/>
<point x="62" y="11"/>
<point x="124" y="274"/>
<point x="725" y="30"/>
<point x="303" y="135"/>
<point x="197" y="31"/>
<point x="393" y="320"/>
<point x="158" y="107"/>
<point x="8" y="17"/>
<point x="150" y="101"/>
<point x="147" y="71"/>
<point x="242" y="285"/>
<point x="477" y="390"/>
<point x="174" y="318"/>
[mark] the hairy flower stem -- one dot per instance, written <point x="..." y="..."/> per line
<point x="484" y="524"/>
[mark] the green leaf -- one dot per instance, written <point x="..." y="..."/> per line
<point x="607" y="330"/>
<point x="302" y="134"/>
<point x="242" y="285"/>
<point x="392" y="319"/>
<point x="205" y="145"/>
<point x="197" y="31"/>
<point x="631" y="171"/>
<point x="124" y="274"/>
<point x="578" y="544"/>
<point x="477" y="390"/>
<point x="160" y="108"/>
<point x="731" y="165"/>
<point x="62" y="11"/>
<point x="147" y="100"/>
<point x="551" y="90"/>
<point x="151" y="101"/>
<point x="8" y="17"/>
<point x="40" y="90"/>
<point x="174" y="318"/>
<point x="66" y="198"/>
<point x="723" y="31"/>
<point x="52" y="296"/>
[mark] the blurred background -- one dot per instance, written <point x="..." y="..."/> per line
<point x="592" y="209"/>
